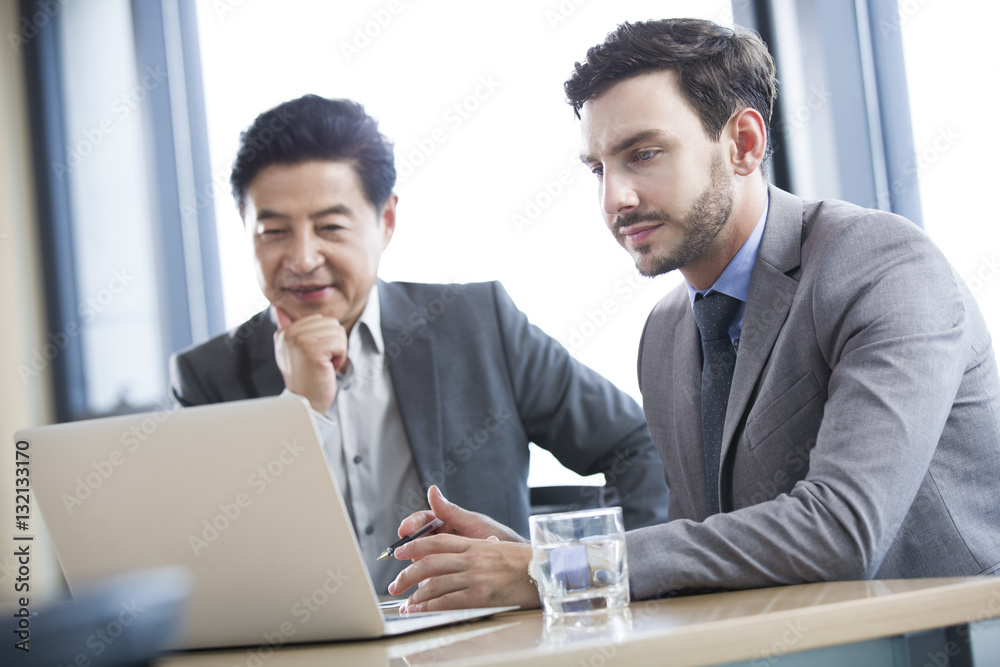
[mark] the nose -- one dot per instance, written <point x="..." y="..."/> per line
<point x="617" y="195"/>
<point x="306" y="255"/>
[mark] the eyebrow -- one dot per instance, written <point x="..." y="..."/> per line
<point x="338" y="209"/>
<point x="267" y="214"/>
<point x="626" y="144"/>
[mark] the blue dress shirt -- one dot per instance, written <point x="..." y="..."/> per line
<point x="735" y="278"/>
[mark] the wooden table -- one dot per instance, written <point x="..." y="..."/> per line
<point x="901" y="622"/>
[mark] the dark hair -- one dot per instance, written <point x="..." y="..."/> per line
<point x="315" y="128"/>
<point x="720" y="70"/>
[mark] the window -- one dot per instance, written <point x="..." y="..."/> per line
<point x="118" y="136"/>
<point x="490" y="182"/>
<point x="952" y="96"/>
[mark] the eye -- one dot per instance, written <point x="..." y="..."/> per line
<point x="598" y="171"/>
<point x="330" y="228"/>
<point x="645" y="155"/>
<point x="271" y="231"/>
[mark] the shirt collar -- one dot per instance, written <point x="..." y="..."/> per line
<point x="369" y="324"/>
<point x="735" y="278"/>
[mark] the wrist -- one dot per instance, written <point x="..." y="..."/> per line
<point x="319" y="407"/>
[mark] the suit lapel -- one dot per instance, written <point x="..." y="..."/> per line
<point x="687" y="415"/>
<point x="263" y="369"/>
<point x="772" y="289"/>
<point x="415" y="382"/>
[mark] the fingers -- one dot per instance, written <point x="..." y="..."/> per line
<point x="317" y="335"/>
<point x="309" y="351"/>
<point x="451" y="572"/>
<point x="439" y="565"/>
<point x="433" y="544"/>
<point x="457" y="521"/>
<point x="415" y="522"/>
<point x="442" y="509"/>
<point x="449" y="512"/>
<point x="451" y="592"/>
<point x="461" y="521"/>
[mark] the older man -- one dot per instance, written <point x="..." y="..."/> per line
<point x="410" y="384"/>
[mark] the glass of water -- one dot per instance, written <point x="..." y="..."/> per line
<point x="578" y="561"/>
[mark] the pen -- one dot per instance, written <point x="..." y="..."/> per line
<point x="423" y="530"/>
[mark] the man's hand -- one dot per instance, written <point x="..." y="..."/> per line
<point x="472" y="561"/>
<point x="457" y="521"/>
<point x="309" y="352"/>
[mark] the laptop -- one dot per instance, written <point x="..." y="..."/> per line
<point x="240" y="495"/>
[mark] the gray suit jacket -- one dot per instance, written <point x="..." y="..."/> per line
<point x="475" y="383"/>
<point x="861" y="438"/>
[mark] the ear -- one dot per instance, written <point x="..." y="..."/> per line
<point x="388" y="219"/>
<point x="748" y="140"/>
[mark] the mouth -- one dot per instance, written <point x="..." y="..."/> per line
<point x="638" y="233"/>
<point x="309" y="292"/>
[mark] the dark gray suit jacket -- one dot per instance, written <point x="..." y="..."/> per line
<point x="861" y="437"/>
<point x="475" y="383"/>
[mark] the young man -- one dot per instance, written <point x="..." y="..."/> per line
<point x="822" y="389"/>
<point x="410" y="384"/>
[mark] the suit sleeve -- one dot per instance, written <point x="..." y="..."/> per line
<point x="185" y="386"/>
<point x="892" y="326"/>
<point x="586" y="422"/>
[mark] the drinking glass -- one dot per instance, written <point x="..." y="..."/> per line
<point x="578" y="561"/>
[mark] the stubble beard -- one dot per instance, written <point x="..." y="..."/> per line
<point x="701" y="225"/>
